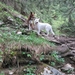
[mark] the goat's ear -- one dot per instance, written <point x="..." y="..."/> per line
<point x="30" y="12"/>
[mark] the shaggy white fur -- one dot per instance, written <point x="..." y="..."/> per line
<point x="43" y="26"/>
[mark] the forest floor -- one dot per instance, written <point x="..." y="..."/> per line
<point x="29" y="54"/>
<point x="64" y="45"/>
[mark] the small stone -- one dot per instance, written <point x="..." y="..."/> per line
<point x="24" y="70"/>
<point x="51" y="71"/>
<point x="19" y="32"/>
<point x="67" y="67"/>
<point x="10" y="72"/>
<point x="9" y="18"/>
<point x="1" y="22"/>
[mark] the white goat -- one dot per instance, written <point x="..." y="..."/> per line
<point x="43" y="26"/>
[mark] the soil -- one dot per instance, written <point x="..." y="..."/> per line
<point x="64" y="45"/>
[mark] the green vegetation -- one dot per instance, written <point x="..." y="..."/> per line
<point x="58" y="60"/>
<point x="70" y="71"/>
<point x="59" y="13"/>
<point x="10" y="40"/>
<point x="2" y="73"/>
<point x="13" y="37"/>
<point x="41" y="57"/>
<point x="53" y="63"/>
<point x="8" y="33"/>
<point x="7" y="12"/>
<point x="3" y="12"/>
<point x="57" y="57"/>
<point x="30" y="70"/>
<point x="53" y="57"/>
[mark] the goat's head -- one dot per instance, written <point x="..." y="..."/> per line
<point x="36" y="20"/>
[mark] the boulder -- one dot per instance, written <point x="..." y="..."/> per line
<point x="49" y="70"/>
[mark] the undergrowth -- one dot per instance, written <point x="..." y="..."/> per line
<point x="9" y="35"/>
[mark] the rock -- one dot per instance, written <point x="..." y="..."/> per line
<point x="69" y="53"/>
<point x="72" y="58"/>
<point x="10" y="19"/>
<point x="24" y="70"/>
<point x="70" y="74"/>
<point x="71" y="45"/>
<point x="62" y="48"/>
<point x="1" y="23"/>
<point x="67" y="67"/>
<point x="62" y="39"/>
<point x="19" y="32"/>
<point x="11" y="73"/>
<point x="46" y="72"/>
<point x="52" y="39"/>
<point x="51" y="71"/>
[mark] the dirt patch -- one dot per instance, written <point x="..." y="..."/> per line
<point x="19" y="54"/>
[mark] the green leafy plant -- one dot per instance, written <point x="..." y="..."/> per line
<point x="70" y="71"/>
<point x="23" y="52"/>
<point x="30" y="71"/>
<point x="28" y="55"/>
<point x="52" y="63"/>
<point x="57" y="57"/>
<point x="41" y="57"/>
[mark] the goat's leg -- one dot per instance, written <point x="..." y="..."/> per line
<point x="30" y="27"/>
<point x="52" y="31"/>
<point x="38" y="32"/>
<point x="47" y="30"/>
